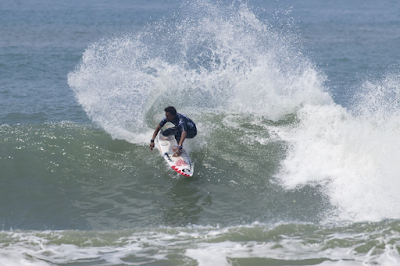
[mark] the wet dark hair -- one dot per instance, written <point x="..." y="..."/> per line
<point x="171" y="110"/>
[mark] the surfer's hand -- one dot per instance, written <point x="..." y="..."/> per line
<point x="151" y="146"/>
<point x="177" y="149"/>
<point x="177" y="154"/>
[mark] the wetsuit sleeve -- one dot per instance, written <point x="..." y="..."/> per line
<point x="163" y="122"/>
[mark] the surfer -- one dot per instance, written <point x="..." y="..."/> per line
<point x="184" y="128"/>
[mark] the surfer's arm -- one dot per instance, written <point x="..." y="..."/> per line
<point x="154" y="136"/>
<point x="183" y="137"/>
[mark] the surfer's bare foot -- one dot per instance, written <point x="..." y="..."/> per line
<point x="176" y="154"/>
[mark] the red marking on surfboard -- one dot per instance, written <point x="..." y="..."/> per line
<point x="181" y="162"/>
<point x="179" y="171"/>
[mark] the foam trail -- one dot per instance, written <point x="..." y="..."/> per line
<point x="354" y="155"/>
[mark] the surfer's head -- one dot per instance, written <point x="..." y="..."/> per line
<point x="170" y="113"/>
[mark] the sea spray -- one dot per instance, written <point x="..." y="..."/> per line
<point x="353" y="153"/>
<point x="207" y="58"/>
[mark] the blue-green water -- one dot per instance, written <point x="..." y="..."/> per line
<point x="296" y="160"/>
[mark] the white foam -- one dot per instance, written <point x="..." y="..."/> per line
<point x="354" y="157"/>
<point x="289" y="249"/>
<point x="212" y="59"/>
<point x="205" y="245"/>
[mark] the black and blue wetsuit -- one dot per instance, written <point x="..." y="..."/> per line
<point x="181" y="123"/>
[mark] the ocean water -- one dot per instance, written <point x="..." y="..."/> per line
<point x="297" y="104"/>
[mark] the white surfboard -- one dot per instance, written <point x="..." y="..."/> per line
<point x="182" y="164"/>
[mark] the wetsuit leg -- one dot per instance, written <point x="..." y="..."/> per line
<point x="192" y="133"/>
<point x="177" y="133"/>
<point x="169" y="131"/>
<point x="173" y="131"/>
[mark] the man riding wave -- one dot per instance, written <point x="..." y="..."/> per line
<point x="184" y="128"/>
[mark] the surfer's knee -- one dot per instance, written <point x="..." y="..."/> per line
<point x="167" y="132"/>
<point x="191" y="134"/>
